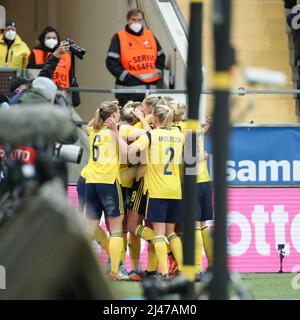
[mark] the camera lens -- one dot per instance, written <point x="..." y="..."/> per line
<point x="76" y="50"/>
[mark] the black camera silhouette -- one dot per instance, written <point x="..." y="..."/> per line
<point x="75" y="49"/>
<point x="280" y="246"/>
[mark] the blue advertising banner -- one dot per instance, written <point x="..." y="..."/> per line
<point x="263" y="156"/>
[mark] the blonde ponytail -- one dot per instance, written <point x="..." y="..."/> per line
<point x="164" y="115"/>
<point x="179" y="110"/>
<point x="127" y="113"/>
<point x="105" y="110"/>
<point x="154" y="100"/>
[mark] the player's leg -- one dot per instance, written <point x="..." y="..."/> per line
<point x="93" y="210"/>
<point x="80" y="187"/>
<point x="111" y="199"/>
<point x="198" y="233"/>
<point x="207" y="214"/>
<point x="174" y="215"/>
<point x="137" y="207"/>
<point x="156" y="213"/>
<point x="99" y="235"/>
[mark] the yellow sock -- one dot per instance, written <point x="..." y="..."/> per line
<point x="144" y="232"/>
<point x="123" y="257"/>
<point x="115" y="250"/>
<point x="176" y="246"/>
<point x="198" y="249"/>
<point x="161" y="253"/>
<point x="134" y="250"/>
<point x="102" y="238"/>
<point x="208" y="244"/>
<point x="179" y="236"/>
<point x="152" y="258"/>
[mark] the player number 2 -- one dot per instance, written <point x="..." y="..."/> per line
<point x="172" y="153"/>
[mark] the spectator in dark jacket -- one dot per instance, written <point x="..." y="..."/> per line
<point x="135" y="57"/>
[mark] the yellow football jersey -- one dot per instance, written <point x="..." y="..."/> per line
<point x="139" y="124"/>
<point x="127" y="172"/>
<point x="202" y="170"/>
<point x="142" y="167"/>
<point x="83" y="172"/>
<point x="88" y="130"/>
<point x="103" y="165"/>
<point x="182" y="125"/>
<point x="164" y="150"/>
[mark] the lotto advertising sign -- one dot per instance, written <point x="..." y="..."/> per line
<point x="258" y="220"/>
<point x="262" y="156"/>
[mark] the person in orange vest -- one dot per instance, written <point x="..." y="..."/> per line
<point x="48" y="42"/>
<point x="135" y="58"/>
<point x="14" y="52"/>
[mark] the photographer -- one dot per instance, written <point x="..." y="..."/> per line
<point x="19" y="85"/>
<point x="48" y="42"/>
<point x="64" y="73"/>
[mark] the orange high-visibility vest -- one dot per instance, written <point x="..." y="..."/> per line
<point x="61" y="74"/>
<point x="139" y="54"/>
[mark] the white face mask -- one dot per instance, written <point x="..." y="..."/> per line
<point x="136" y="27"/>
<point x="51" y="43"/>
<point x="10" y="34"/>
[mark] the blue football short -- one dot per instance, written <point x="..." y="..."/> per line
<point x="103" y="197"/>
<point x="138" y="199"/>
<point x="164" y="210"/>
<point x="81" y="193"/>
<point x="204" y="202"/>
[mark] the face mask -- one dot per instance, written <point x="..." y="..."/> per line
<point x="136" y="27"/>
<point x="10" y="35"/>
<point x="51" y="43"/>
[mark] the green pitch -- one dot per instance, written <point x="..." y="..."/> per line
<point x="261" y="286"/>
<point x="271" y="285"/>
